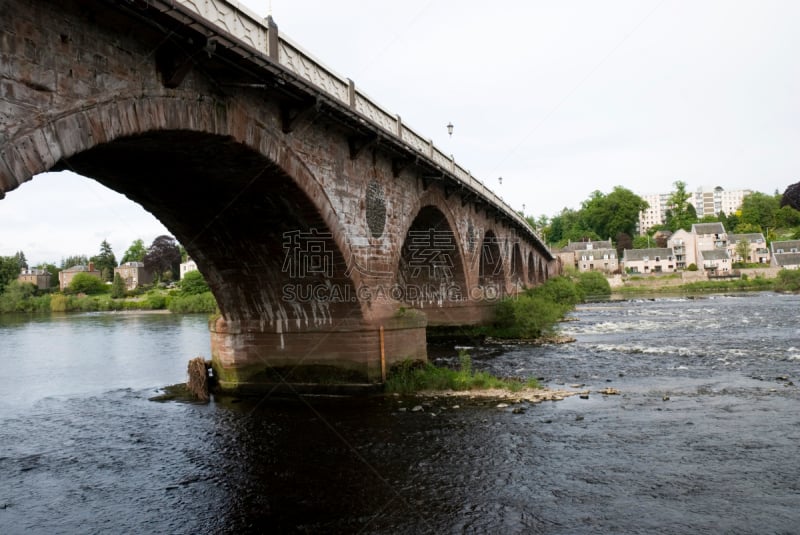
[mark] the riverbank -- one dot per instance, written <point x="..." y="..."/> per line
<point x="687" y="283"/>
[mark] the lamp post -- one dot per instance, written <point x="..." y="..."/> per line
<point x="450" y="129"/>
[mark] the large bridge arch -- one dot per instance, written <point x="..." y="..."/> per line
<point x="165" y="152"/>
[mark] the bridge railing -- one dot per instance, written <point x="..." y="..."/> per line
<point x="262" y="35"/>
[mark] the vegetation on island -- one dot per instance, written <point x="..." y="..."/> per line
<point x="409" y="377"/>
<point x="530" y="315"/>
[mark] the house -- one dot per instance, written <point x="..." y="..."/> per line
<point x="759" y="253"/>
<point x="716" y="262"/>
<point x="654" y="260"/>
<point x="188" y="266"/>
<point x="604" y="260"/>
<point x="134" y="274"/>
<point x="38" y="277"/>
<point x="65" y="276"/>
<point x="709" y="236"/>
<point x="596" y="255"/>
<point x="588" y="245"/>
<point x="786" y="254"/>
<point x="683" y="244"/>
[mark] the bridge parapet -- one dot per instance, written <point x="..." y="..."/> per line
<point x="262" y="36"/>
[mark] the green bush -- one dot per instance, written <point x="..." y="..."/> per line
<point x="561" y="290"/>
<point x="23" y="297"/>
<point x="59" y="303"/>
<point x="86" y="284"/>
<point x="788" y="280"/>
<point x="188" y="304"/>
<point x="593" y="285"/>
<point x="193" y="283"/>
<point x="526" y="316"/>
<point x="691" y="267"/>
<point x="534" y="312"/>
<point x="156" y="301"/>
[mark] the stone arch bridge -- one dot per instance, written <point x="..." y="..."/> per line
<point x="330" y="232"/>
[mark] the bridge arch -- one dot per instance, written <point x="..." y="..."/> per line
<point x="431" y="270"/>
<point x="517" y="271"/>
<point x="491" y="273"/>
<point x="139" y="146"/>
<point x="531" y="271"/>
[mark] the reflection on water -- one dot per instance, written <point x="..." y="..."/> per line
<point x="702" y="439"/>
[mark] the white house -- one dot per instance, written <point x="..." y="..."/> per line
<point x="188" y="266"/>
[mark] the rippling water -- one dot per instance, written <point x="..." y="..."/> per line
<point x="702" y="439"/>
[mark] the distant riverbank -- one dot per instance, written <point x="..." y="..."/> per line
<point x="698" y="282"/>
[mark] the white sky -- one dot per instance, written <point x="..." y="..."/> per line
<point x="560" y="98"/>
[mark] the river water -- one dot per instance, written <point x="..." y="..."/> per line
<point x="703" y="437"/>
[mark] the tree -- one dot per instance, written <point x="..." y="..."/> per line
<point x="87" y="284"/>
<point x="747" y="228"/>
<point x="680" y="214"/>
<point x="72" y="261"/>
<point x="135" y="252"/>
<point x="163" y="256"/>
<point x="786" y="216"/>
<point x="193" y="283"/>
<point x="643" y="242"/>
<point x="569" y="225"/>
<point x="23" y="263"/>
<point x="624" y="241"/>
<point x="608" y="215"/>
<point x="9" y="270"/>
<point x="118" y="287"/>
<point x="105" y="262"/>
<point x="759" y="209"/>
<point x="743" y="250"/>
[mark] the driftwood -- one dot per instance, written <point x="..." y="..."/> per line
<point x="198" y="379"/>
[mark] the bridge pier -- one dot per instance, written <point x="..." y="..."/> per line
<point x="252" y="357"/>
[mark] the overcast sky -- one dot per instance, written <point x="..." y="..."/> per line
<point x="560" y="98"/>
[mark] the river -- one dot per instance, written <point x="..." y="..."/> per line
<point x="703" y="437"/>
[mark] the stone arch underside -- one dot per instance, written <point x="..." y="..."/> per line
<point x="491" y="275"/>
<point x="531" y="269"/>
<point x="258" y="239"/>
<point x="431" y="274"/>
<point x="517" y="271"/>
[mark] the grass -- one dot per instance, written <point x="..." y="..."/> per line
<point x="737" y="285"/>
<point x="409" y="377"/>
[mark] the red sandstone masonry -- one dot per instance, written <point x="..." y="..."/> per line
<point x="69" y="84"/>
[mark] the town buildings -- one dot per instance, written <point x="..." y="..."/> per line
<point x="65" y="276"/>
<point x="786" y="254"/>
<point x="38" y="277"/>
<point x="707" y="246"/>
<point x="134" y="274"/>
<point x="653" y="260"/>
<point x="590" y="256"/>
<point x="710" y="202"/>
